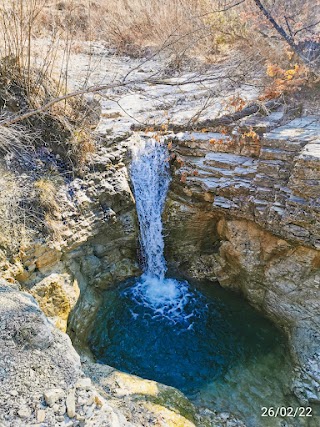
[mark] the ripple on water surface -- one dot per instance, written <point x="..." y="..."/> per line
<point x="201" y="339"/>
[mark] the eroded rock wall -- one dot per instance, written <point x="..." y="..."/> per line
<point x="94" y="245"/>
<point x="244" y="209"/>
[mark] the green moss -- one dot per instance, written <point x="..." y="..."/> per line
<point x="175" y="401"/>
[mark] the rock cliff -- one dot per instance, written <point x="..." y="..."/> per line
<point x="94" y="243"/>
<point x="243" y="209"/>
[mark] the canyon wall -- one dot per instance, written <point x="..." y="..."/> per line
<point x="94" y="244"/>
<point x="244" y="209"/>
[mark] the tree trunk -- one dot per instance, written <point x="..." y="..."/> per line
<point x="286" y="37"/>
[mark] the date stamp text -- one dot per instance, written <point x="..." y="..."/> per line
<point x="286" y="411"/>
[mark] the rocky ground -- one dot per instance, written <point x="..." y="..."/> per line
<point x="243" y="208"/>
<point x="44" y="384"/>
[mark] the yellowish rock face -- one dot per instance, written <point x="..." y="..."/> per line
<point x="56" y="297"/>
<point x="168" y="405"/>
<point x="130" y="384"/>
<point x="169" y="418"/>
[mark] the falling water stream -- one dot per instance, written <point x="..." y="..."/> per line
<point x="150" y="177"/>
<point x="197" y="337"/>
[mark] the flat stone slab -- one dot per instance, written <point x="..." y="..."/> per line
<point x="223" y="202"/>
<point x="229" y="161"/>
<point x="302" y="129"/>
<point x="200" y="136"/>
<point x="311" y="151"/>
<point x="263" y="123"/>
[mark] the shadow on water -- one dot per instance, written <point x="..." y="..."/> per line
<point x="214" y="346"/>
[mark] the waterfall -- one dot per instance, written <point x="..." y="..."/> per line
<point x="150" y="178"/>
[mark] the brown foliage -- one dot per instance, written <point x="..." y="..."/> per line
<point x="284" y="81"/>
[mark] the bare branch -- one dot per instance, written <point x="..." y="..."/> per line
<point x="227" y="119"/>
<point x="225" y="9"/>
<point x="306" y="28"/>
<point x="288" y="26"/>
<point x="100" y="88"/>
<point x="277" y="26"/>
<point x="285" y="36"/>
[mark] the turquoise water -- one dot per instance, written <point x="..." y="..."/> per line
<point x="199" y="338"/>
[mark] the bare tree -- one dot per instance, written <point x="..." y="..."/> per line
<point x="304" y="21"/>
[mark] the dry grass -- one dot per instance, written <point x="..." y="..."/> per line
<point x="14" y="232"/>
<point x="173" y="23"/>
<point x="205" y="28"/>
<point x="46" y="189"/>
<point x="179" y="26"/>
<point x="15" y="141"/>
<point x="36" y="41"/>
<point x="47" y="195"/>
<point x="27" y="210"/>
<point x="41" y="36"/>
<point x="33" y="72"/>
<point x="82" y="146"/>
<point x="194" y="26"/>
<point x="19" y="21"/>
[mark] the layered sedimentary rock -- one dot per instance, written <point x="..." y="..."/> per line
<point x="244" y="209"/>
<point x="94" y="243"/>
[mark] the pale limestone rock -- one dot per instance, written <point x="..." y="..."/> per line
<point x="71" y="404"/>
<point x="41" y="415"/>
<point x="249" y="218"/>
<point x="57" y="294"/>
<point x="276" y="186"/>
<point x="24" y="412"/>
<point x="84" y="384"/>
<point x="48" y="259"/>
<point x="143" y="402"/>
<point x="53" y="395"/>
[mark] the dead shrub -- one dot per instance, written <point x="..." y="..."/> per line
<point x="14" y="229"/>
<point x="15" y="140"/>
<point x="82" y="147"/>
<point x="47" y="195"/>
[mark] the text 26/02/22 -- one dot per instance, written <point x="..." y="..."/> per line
<point x="286" y="411"/>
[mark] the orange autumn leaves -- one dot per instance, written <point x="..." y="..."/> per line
<point x="283" y="80"/>
<point x="250" y="135"/>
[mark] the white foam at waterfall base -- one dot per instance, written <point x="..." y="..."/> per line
<point x="167" y="298"/>
<point x="150" y="177"/>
